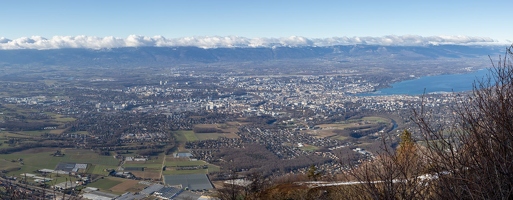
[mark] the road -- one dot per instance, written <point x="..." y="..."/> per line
<point x="162" y="167"/>
<point x="58" y="195"/>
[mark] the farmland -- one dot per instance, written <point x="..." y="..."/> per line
<point x="127" y="186"/>
<point x="35" y="159"/>
<point x="105" y="184"/>
<point x="215" y="131"/>
<point x="99" y="169"/>
<point x="175" y="166"/>
<point x="208" y="132"/>
<point x="185" y="136"/>
<point x="24" y="125"/>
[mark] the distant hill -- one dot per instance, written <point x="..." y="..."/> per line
<point x="147" y="56"/>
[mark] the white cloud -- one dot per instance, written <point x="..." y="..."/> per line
<point x="4" y="40"/>
<point x="92" y="42"/>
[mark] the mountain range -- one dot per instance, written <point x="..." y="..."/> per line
<point x="147" y="56"/>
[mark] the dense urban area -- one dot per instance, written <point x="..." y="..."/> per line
<point x="181" y="130"/>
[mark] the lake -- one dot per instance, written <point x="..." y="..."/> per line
<point x="433" y="84"/>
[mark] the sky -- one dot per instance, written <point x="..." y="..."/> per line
<point x="256" y="19"/>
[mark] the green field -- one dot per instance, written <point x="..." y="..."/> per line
<point x="215" y="136"/>
<point x="13" y="109"/>
<point x="7" y="164"/>
<point x="341" y="137"/>
<point x="309" y="148"/>
<point x="105" y="183"/>
<point x="156" y="160"/>
<point x="60" y="118"/>
<point x="195" y="171"/>
<point x="172" y="163"/>
<point x="154" y="166"/>
<point x="31" y="160"/>
<point x="152" y="160"/>
<point x="171" y="170"/>
<point x="3" y="144"/>
<point x="33" y="133"/>
<point x="185" y="136"/>
<point x="228" y="130"/>
<point x="99" y="169"/>
<point x="88" y="156"/>
<point x="80" y="133"/>
<point x="183" y="162"/>
<point x="356" y="122"/>
<point x="35" y="159"/>
<point x="5" y="135"/>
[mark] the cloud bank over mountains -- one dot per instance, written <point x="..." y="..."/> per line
<point x="92" y="42"/>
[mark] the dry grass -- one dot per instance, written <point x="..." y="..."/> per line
<point x="147" y="175"/>
<point x="321" y="133"/>
<point x="206" y="125"/>
<point x="56" y="131"/>
<point x="227" y="130"/>
<point x="127" y="186"/>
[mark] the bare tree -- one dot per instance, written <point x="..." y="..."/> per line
<point x="473" y="157"/>
<point x="469" y="158"/>
<point x="392" y="174"/>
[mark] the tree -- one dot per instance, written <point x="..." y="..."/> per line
<point x="473" y="157"/>
<point x="470" y="158"/>
<point x="313" y="174"/>
<point x="407" y="150"/>
<point x="392" y="174"/>
<point x="231" y="190"/>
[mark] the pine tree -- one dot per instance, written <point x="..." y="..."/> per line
<point x="313" y="174"/>
<point x="407" y="148"/>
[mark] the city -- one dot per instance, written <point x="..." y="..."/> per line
<point x="256" y="100"/>
<point x="134" y="127"/>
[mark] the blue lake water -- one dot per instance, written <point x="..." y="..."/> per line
<point x="432" y="84"/>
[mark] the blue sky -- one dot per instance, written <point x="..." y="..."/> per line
<point x="260" y="18"/>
